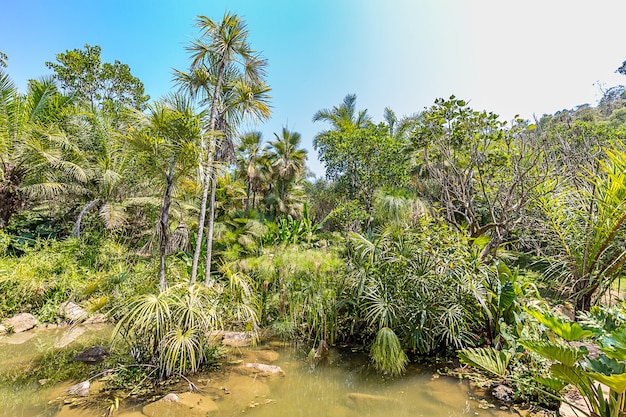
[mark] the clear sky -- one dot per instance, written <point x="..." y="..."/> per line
<point x="510" y="57"/>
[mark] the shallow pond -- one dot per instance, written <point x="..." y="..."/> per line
<point x="345" y="386"/>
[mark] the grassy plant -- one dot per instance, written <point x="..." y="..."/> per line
<point x="387" y="353"/>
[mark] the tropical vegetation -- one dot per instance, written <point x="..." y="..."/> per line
<point x="448" y="231"/>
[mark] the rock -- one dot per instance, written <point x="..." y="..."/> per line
<point x="187" y="404"/>
<point x="238" y="339"/>
<point x="93" y="355"/>
<point x="20" y="323"/>
<point x="96" y="318"/>
<point x="265" y="369"/>
<point x="69" y="336"/>
<point x="502" y="393"/>
<point x="81" y="389"/>
<point x="72" y="311"/>
<point x="44" y="381"/>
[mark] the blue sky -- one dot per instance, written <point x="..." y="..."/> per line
<point x="510" y="57"/>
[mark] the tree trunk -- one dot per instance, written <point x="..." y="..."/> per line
<point x="207" y="174"/>
<point x="164" y="224"/>
<point x="209" y="237"/>
<point x="88" y="206"/>
<point x="248" y="197"/>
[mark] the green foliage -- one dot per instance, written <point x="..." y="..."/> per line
<point x="299" y="290"/>
<point x="586" y="375"/>
<point x="420" y="283"/>
<point x="359" y="155"/>
<point x="170" y="329"/>
<point x="480" y="172"/>
<point x="387" y="353"/>
<point x="569" y="331"/>
<point x="487" y="359"/>
<point x="112" y="86"/>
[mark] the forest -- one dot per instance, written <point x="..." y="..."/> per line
<point x="450" y="233"/>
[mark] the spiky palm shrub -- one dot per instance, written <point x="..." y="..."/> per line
<point x="170" y="329"/>
<point x="422" y="286"/>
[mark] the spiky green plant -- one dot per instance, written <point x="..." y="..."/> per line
<point x="387" y="353"/>
<point x="170" y="329"/>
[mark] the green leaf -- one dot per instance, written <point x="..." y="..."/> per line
<point x="487" y="359"/>
<point x="605" y="365"/>
<point x="552" y="383"/>
<point x="567" y="355"/>
<point x="569" y="331"/>
<point x="616" y="382"/>
<point x="573" y="375"/>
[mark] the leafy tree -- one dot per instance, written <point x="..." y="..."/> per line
<point x="222" y="62"/>
<point x="250" y="152"/>
<point x="287" y="158"/>
<point x="585" y="231"/>
<point x="484" y="175"/>
<point x="37" y="157"/>
<point x="110" y="86"/>
<point x="3" y="59"/>
<point x="362" y="160"/>
<point x="169" y="133"/>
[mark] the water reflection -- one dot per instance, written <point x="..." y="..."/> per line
<point x="344" y="387"/>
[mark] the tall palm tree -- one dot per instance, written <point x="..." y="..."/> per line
<point x="288" y="158"/>
<point x="222" y="62"/>
<point x="169" y="133"/>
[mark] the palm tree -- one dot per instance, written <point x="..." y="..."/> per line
<point x="288" y="158"/>
<point x="37" y="157"/>
<point x="169" y="133"/>
<point x="249" y="153"/>
<point x="344" y="117"/>
<point x="221" y="58"/>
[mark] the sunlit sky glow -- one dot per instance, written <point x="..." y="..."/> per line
<point x="510" y="57"/>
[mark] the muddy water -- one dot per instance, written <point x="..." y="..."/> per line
<point x="345" y="386"/>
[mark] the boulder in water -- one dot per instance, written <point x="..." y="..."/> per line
<point x="187" y="404"/>
<point x="265" y="369"/>
<point x="20" y="323"/>
<point x="81" y="389"/>
<point x="93" y="355"/>
<point x="502" y="393"/>
<point x="72" y="311"/>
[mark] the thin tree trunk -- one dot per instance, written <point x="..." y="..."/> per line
<point x="248" y="197"/>
<point x="163" y="224"/>
<point x="86" y="208"/>
<point x="201" y="220"/>
<point x="209" y="237"/>
<point x="282" y="189"/>
<point x="207" y="174"/>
